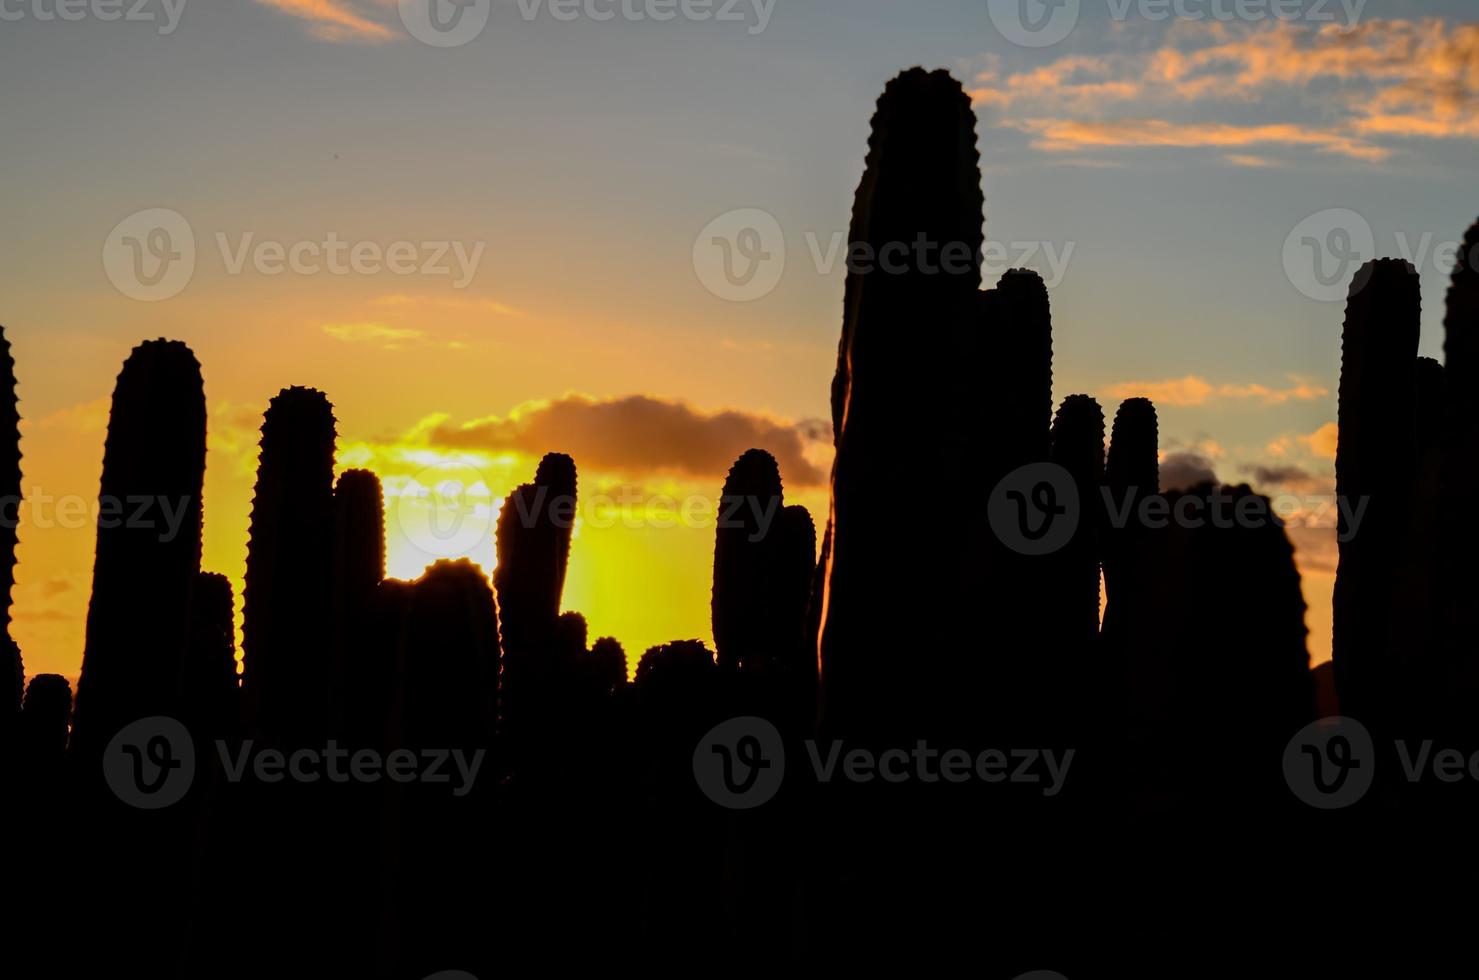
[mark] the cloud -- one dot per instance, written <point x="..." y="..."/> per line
<point x="461" y="303"/>
<point x="640" y="433"/>
<point x="1350" y="93"/>
<point x="1180" y="471"/>
<point x="333" y="20"/>
<point x="383" y="335"/>
<point x="1193" y="391"/>
<point x="1322" y="441"/>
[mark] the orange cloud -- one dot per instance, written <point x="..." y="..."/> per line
<point x="1323" y="440"/>
<point x="1382" y="79"/>
<point x="1193" y="391"/>
<point x="332" y="20"/>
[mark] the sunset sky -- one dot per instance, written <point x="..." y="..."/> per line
<point x="1152" y="170"/>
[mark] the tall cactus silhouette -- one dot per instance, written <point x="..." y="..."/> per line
<point x="288" y="680"/>
<point x="903" y="379"/>
<point x="744" y="543"/>
<point x="144" y="574"/>
<point x="533" y="539"/>
<point x="1131" y="474"/>
<point x="12" y="672"/>
<point x="1375" y="466"/>
<point x="1458" y="621"/>
<point x="1017" y="350"/>
<point x="1078" y="447"/>
<point x="211" y="699"/>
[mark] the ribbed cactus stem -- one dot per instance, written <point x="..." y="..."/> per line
<point x="671" y="667"/>
<point x="359" y="535"/>
<point x="10" y="477"/>
<point x="608" y="663"/>
<point x="45" y="718"/>
<point x="144" y="574"/>
<point x="1131" y="475"/>
<point x="1375" y="466"/>
<point x="741" y="616"/>
<point x="449" y="658"/>
<point x="1017" y="349"/>
<point x="904" y="378"/>
<point x="211" y="690"/>
<point x="1459" y="573"/>
<point x="288" y="684"/>
<point x="1078" y="447"/>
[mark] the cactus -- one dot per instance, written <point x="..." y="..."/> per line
<point x="742" y="616"/>
<point x="902" y="379"/>
<point x="210" y="686"/>
<point x="1459" y="573"/>
<point x="1131" y="474"/>
<point x="449" y="659"/>
<point x="359" y="539"/>
<point x="44" y="719"/>
<point x="535" y="684"/>
<point x="1017" y="348"/>
<point x="670" y="668"/>
<point x="1078" y="447"/>
<point x="287" y="685"/>
<point x="12" y="671"/>
<point x="1374" y="470"/>
<point x="138" y="621"/>
<point x="608" y="664"/>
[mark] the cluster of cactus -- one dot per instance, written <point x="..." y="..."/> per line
<point x="1405" y="461"/>
<point x="891" y="664"/>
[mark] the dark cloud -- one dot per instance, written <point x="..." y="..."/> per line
<point x="1183" y="470"/>
<point x="1277" y="475"/>
<point x="639" y="433"/>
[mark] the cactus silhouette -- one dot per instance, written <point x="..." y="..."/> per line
<point x="148" y="545"/>
<point x="12" y="671"/>
<point x="1131" y="474"/>
<point x="1459" y="573"/>
<point x="211" y="696"/>
<point x="449" y="659"/>
<point x="1016" y="342"/>
<point x="359" y="539"/>
<point x="885" y="675"/>
<point x="288" y="680"/>
<point x="533" y="539"/>
<point x="1375" y="466"/>
<point x="744" y="545"/>
<point x="44" y="720"/>
<point x="1078" y="447"/>
<point x="608" y="664"/>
